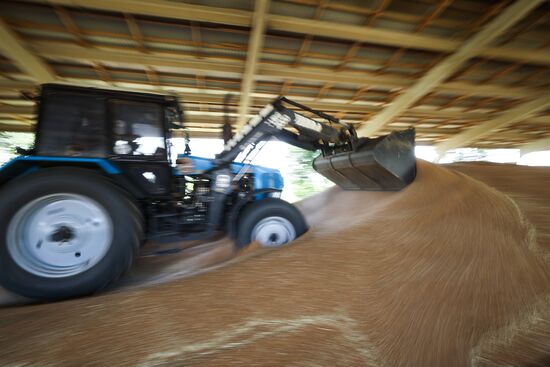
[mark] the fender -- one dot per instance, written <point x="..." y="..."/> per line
<point x="240" y="204"/>
<point x="26" y="164"/>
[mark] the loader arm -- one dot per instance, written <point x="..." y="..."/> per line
<point x="383" y="163"/>
<point x="277" y="121"/>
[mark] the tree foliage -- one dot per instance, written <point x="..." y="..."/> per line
<point x="3" y="139"/>
<point x="9" y="141"/>
<point x="304" y="181"/>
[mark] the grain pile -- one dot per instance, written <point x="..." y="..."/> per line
<point x="448" y="272"/>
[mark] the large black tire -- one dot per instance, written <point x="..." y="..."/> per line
<point x="253" y="215"/>
<point x="121" y="241"/>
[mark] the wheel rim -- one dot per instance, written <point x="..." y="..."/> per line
<point x="59" y="235"/>
<point x="273" y="231"/>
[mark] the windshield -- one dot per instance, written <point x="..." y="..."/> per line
<point x="176" y="129"/>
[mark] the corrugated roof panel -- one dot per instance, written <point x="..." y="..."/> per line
<point x="293" y="44"/>
<point x="344" y="18"/>
<point x="233" y="4"/>
<point x="90" y="22"/>
<point x="164" y="30"/>
<point x="293" y="10"/>
<point x="29" y="13"/>
<point x="394" y="25"/>
<point x="35" y="33"/>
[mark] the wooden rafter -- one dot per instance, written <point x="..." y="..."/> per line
<point x="200" y="13"/>
<point x="266" y="71"/>
<point x="466" y="69"/>
<point x="515" y="114"/>
<point x="196" y="38"/>
<point x="352" y="51"/>
<point x="492" y="11"/>
<point x="304" y="47"/>
<point x="69" y="24"/>
<point x="262" y="99"/>
<point x="135" y="32"/>
<point x="371" y="18"/>
<point x="253" y="55"/>
<point x="540" y="18"/>
<point x="49" y="28"/>
<point x="138" y="38"/>
<point x="71" y="27"/>
<point x="440" y="8"/>
<point x="451" y="63"/>
<point x="479" y="104"/>
<point x="213" y="96"/>
<point x="121" y="56"/>
<point x="152" y="75"/>
<point x="16" y="128"/>
<point x="101" y="72"/>
<point x="306" y="43"/>
<point x="15" y="48"/>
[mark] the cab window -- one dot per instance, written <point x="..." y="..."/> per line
<point x="137" y="129"/>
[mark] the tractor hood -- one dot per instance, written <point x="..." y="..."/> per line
<point x="264" y="177"/>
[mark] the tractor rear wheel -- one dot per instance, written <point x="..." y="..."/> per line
<point x="270" y="222"/>
<point x="65" y="232"/>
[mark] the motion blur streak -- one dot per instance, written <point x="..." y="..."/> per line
<point x="448" y="272"/>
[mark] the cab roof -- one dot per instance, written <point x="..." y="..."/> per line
<point x="110" y="93"/>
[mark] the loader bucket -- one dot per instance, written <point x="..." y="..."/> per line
<point x="386" y="163"/>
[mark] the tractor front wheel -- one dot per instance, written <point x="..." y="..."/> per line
<point x="65" y="233"/>
<point x="270" y="222"/>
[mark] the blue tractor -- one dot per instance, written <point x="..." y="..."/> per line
<point x="100" y="181"/>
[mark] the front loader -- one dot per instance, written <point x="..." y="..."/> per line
<point x="100" y="181"/>
<point x="386" y="163"/>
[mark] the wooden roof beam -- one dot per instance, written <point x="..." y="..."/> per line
<point x="214" y="97"/>
<point x="444" y="69"/>
<point x="17" y="110"/>
<point x="54" y="49"/>
<point x="513" y="115"/>
<point x="163" y="9"/>
<point x="16" y="85"/>
<point x="71" y="26"/>
<point x="267" y="71"/>
<point x="14" y="48"/>
<point x="17" y="128"/>
<point x="253" y="56"/>
<point x="210" y="14"/>
<point x="135" y="32"/>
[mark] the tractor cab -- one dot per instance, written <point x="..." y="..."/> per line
<point x="129" y="129"/>
<point x="85" y="122"/>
